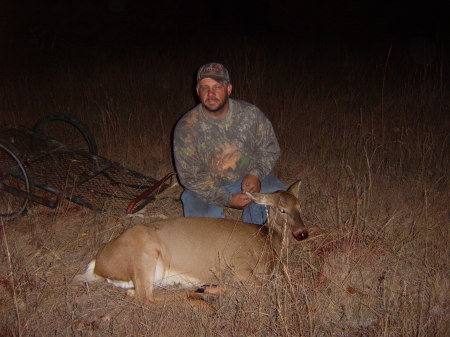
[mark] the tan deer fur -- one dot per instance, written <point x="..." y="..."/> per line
<point x="194" y="251"/>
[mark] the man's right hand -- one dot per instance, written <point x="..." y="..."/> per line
<point x="239" y="200"/>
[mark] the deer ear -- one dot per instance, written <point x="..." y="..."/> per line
<point x="295" y="189"/>
<point x="262" y="198"/>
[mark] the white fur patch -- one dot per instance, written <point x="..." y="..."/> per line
<point x="163" y="277"/>
<point x="166" y="277"/>
<point x="121" y="284"/>
<point x="89" y="275"/>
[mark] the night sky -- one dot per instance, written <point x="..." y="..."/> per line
<point x="54" y="25"/>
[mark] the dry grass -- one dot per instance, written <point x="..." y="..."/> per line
<point x="368" y="134"/>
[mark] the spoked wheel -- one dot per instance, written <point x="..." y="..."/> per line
<point x="16" y="186"/>
<point x="68" y="131"/>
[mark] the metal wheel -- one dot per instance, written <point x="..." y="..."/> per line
<point x="68" y="131"/>
<point x="15" y="183"/>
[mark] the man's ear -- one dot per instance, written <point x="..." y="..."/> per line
<point x="230" y="89"/>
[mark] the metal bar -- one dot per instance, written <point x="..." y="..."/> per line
<point x="13" y="190"/>
<point x="86" y="176"/>
<point x="31" y="197"/>
<point x="78" y="201"/>
<point x="146" y="193"/>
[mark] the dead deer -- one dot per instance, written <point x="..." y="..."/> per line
<point x="194" y="251"/>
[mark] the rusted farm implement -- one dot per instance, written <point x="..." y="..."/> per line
<point x="57" y="159"/>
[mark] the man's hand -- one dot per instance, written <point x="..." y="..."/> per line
<point x="251" y="184"/>
<point x="239" y="200"/>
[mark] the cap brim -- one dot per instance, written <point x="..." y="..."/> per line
<point x="216" y="78"/>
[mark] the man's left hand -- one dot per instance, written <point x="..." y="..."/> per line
<point x="251" y="184"/>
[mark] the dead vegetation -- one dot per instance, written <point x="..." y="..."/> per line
<point x="367" y="134"/>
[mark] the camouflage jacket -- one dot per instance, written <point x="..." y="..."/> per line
<point x="211" y="153"/>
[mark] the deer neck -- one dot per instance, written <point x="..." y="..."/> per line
<point x="276" y="233"/>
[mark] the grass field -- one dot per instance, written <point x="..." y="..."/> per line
<point x="366" y="129"/>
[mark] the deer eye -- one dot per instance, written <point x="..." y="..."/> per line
<point x="282" y="210"/>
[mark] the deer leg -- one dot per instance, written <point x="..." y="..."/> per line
<point x="143" y="276"/>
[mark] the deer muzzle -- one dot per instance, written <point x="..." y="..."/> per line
<point x="300" y="234"/>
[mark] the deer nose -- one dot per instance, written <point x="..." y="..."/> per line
<point x="301" y="235"/>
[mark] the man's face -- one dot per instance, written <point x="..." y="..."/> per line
<point x="213" y="94"/>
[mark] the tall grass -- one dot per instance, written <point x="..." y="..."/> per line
<point x="367" y="131"/>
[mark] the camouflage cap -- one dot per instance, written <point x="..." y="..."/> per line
<point x="215" y="71"/>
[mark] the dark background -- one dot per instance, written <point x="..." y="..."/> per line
<point x="50" y="27"/>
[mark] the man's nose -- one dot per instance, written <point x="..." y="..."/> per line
<point x="211" y="92"/>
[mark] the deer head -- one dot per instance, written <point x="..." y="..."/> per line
<point x="284" y="212"/>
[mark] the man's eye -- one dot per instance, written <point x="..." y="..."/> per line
<point x="215" y="88"/>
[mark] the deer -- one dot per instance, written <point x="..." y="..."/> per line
<point x="190" y="251"/>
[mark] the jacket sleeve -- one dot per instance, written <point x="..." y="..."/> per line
<point x="266" y="149"/>
<point x="192" y="170"/>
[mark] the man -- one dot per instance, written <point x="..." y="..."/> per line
<point x="223" y="148"/>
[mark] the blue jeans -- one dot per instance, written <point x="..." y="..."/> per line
<point x="253" y="213"/>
